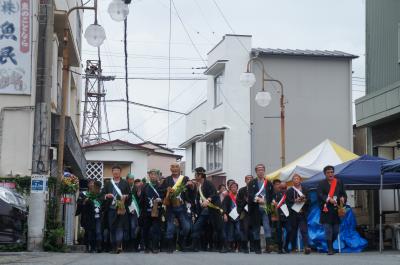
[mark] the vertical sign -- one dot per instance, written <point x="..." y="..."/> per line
<point x="15" y="46"/>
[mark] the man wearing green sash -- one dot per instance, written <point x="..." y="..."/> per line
<point x="133" y="215"/>
<point x="151" y="205"/>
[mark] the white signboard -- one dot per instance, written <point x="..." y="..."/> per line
<point x="15" y="46"/>
<point x="38" y="183"/>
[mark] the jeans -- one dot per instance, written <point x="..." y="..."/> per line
<point x="265" y="224"/>
<point x="180" y="214"/>
<point x="331" y="231"/>
<point x="116" y="233"/>
<point x="133" y="225"/>
<point x="233" y="231"/>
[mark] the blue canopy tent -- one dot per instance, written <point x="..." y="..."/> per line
<point x="363" y="173"/>
<point x="387" y="168"/>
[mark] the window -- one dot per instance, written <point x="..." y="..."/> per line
<point x="218" y="82"/>
<point x="398" y="42"/>
<point x="193" y="156"/>
<point x="214" y="154"/>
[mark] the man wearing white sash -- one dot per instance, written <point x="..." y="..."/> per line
<point x="298" y="203"/>
<point x="116" y="195"/>
<point x="176" y="207"/>
<point x="260" y="195"/>
<point x="151" y="205"/>
<point x="208" y="209"/>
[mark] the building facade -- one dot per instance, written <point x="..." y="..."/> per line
<point x="378" y="112"/>
<point x="229" y="133"/>
<point x="132" y="158"/>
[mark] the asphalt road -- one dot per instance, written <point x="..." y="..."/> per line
<point x="202" y="258"/>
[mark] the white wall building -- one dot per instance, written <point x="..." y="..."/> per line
<point x="229" y="133"/>
<point x="17" y="105"/>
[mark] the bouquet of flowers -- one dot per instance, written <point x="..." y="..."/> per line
<point x="69" y="184"/>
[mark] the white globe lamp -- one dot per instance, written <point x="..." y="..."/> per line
<point x="247" y="79"/>
<point x="263" y="98"/>
<point x="118" y="10"/>
<point x="95" y="35"/>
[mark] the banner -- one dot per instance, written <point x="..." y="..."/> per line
<point x="15" y="46"/>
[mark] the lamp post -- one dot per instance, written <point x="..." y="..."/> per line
<point x="95" y="36"/>
<point x="263" y="98"/>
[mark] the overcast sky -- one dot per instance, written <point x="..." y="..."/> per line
<point x="294" y="24"/>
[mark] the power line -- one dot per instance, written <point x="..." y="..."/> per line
<point x="187" y="33"/>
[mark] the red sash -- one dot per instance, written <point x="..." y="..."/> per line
<point x="282" y="201"/>
<point x="332" y="189"/>
<point x="233" y="197"/>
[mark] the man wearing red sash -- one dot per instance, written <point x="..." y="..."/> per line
<point x="298" y="203"/>
<point x="331" y="193"/>
<point x="231" y="218"/>
<point x="259" y="197"/>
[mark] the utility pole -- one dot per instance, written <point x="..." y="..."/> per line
<point x="42" y="124"/>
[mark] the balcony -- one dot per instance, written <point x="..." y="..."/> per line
<point x="74" y="157"/>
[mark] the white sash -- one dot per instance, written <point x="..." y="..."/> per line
<point x="261" y="189"/>
<point x="297" y="206"/>
<point x="116" y="188"/>
<point x="298" y="191"/>
<point x="152" y="187"/>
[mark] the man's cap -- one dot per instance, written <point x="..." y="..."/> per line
<point x="156" y="171"/>
<point x="130" y="176"/>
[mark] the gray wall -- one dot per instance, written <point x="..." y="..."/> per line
<point x="318" y="91"/>
<point x="382" y="43"/>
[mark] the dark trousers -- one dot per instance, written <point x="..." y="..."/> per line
<point x="298" y="221"/>
<point x="116" y="232"/>
<point x="216" y="222"/>
<point x="233" y="231"/>
<point x="151" y="231"/>
<point x="331" y="231"/>
<point x="245" y="228"/>
<point x="94" y="234"/>
<point x="282" y="225"/>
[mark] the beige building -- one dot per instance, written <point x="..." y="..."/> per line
<point x="133" y="158"/>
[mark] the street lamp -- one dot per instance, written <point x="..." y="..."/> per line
<point x="263" y="98"/>
<point x="118" y="10"/>
<point x="95" y="36"/>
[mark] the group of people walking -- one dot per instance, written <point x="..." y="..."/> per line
<point x="177" y="213"/>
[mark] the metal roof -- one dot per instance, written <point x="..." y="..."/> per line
<point x="312" y="53"/>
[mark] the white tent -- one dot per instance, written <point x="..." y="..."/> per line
<point x="326" y="153"/>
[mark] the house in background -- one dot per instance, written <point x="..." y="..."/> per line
<point x="229" y="133"/>
<point x="133" y="158"/>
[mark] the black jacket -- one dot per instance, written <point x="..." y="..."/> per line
<point x="116" y="220"/>
<point x="148" y="195"/>
<point x="292" y="195"/>
<point x="241" y="200"/>
<point x="88" y="211"/>
<point x="209" y="191"/>
<point x="330" y="217"/>
<point x="186" y="196"/>
<point x="227" y="206"/>
<point x="254" y="212"/>
<point x="277" y="196"/>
